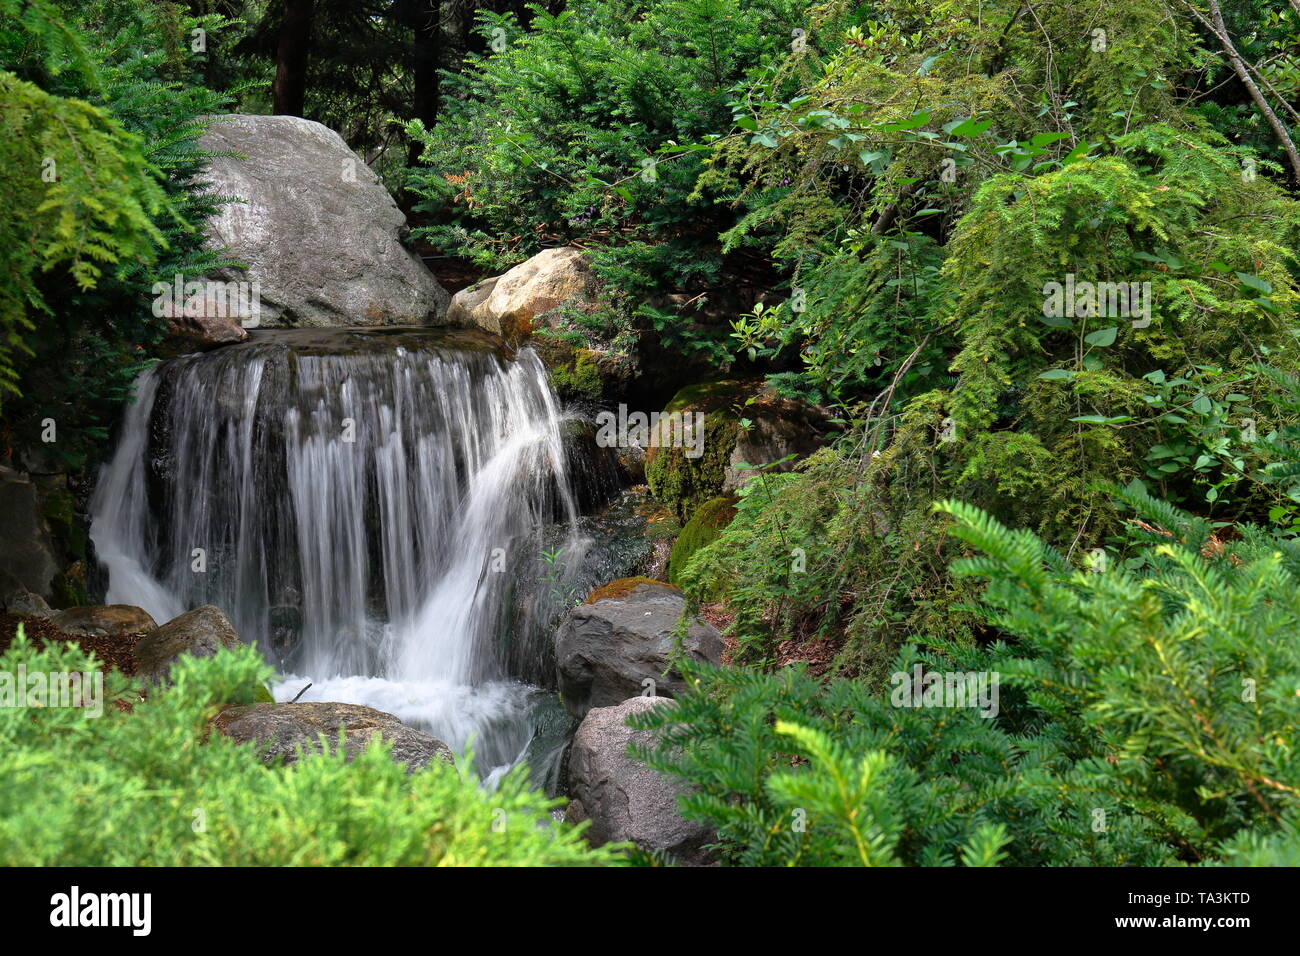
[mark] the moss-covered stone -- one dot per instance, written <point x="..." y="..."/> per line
<point x="579" y="379"/>
<point x="579" y="372"/>
<point x="69" y="535"/>
<point x="684" y="484"/>
<point x="68" y="589"/>
<point x="622" y="587"/>
<point x="703" y="529"/>
<point x="712" y="396"/>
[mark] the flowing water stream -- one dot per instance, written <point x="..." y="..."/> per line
<point x="360" y="504"/>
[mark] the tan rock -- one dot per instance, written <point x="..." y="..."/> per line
<point x="510" y="304"/>
<point x="216" y="323"/>
<point x="104" y="620"/>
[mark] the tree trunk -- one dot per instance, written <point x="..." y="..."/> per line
<point x="426" y="21"/>
<point x="290" y="87"/>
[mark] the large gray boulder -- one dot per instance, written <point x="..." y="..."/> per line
<point x="623" y="798"/>
<point x="199" y="633"/>
<point x="622" y="637"/>
<point x="28" y="561"/>
<point x="280" y="729"/>
<point x="319" y="231"/>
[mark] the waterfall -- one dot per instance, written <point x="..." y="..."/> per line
<point x="359" y="503"/>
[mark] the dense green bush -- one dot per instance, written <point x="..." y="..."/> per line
<point x="588" y="126"/>
<point x="1144" y="718"/>
<point x="1042" y="408"/>
<point x="104" y="105"/>
<point x="157" y="786"/>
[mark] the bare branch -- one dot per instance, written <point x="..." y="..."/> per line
<point x="1219" y="28"/>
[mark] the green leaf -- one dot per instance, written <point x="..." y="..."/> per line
<point x="1046" y="139"/>
<point x="968" y="128"/>
<point x="1103" y="419"/>
<point x="915" y="121"/>
<point x="1254" y="282"/>
<point x="1102" y="337"/>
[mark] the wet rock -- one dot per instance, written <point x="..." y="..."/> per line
<point x="623" y="798"/>
<point x="281" y="729"/>
<point x="200" y="632"/>
<point x="285" y="623"/>
<point x="609" y="648"/>
<point x="595" y="477"/>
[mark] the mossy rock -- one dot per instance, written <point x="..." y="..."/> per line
<point x="69" y="586"/>
<point x="712" y="396"/>
<point x="579" y="372"/>
<point x="61" y="517"/>
<point x="684" y="484"/>
<point x="705" y="526"/>
<point x="261" y="695"/>
<point x="580" y="378"/>
<point x="622" y="587"/>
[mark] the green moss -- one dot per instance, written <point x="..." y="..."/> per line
<point x="579" y="379"/>
<point x="261" y="695"/>
<point x="711" y="396"/>
<point x="68" y="531"/>
<point x="704" y="528"/>
<point x="577" y="371"/>
<point x="684" y="484"/>
<point x="622" y="587"/>
<point x="69" y="587"/>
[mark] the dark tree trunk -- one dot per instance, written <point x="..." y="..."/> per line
<point x="424" y="17"/>
<point x="290" y="87"/>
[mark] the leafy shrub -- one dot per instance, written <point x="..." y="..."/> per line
<point x="156" y="786"/>
<point x="1042" y="409"/>
<point x="587" y="126"/>
<point x="1145" y="718"/>
<point x="101" y="173"/>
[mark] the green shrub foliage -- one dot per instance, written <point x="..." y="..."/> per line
<point x="155" y="785"/>
<point x="1143" y="718"/>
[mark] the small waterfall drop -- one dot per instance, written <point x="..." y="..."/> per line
<point x="357" y="502"/>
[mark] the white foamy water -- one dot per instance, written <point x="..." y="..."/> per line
<point x="355" y="503"/>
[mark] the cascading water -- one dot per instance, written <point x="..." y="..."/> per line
<point x="357" y="503"/>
